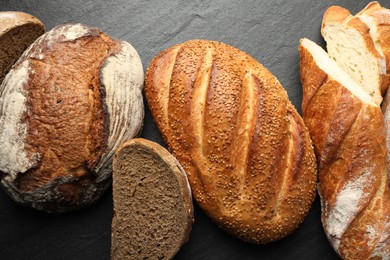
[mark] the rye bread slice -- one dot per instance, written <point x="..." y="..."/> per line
<point x="153" y="211"/>
<point x="17" y="31"/>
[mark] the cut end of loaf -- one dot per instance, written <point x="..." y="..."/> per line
<point x="333" y="70"/>
<point x="153" y="211"/>
<point x="350" y="44"/>
<point x="17" y="31"/>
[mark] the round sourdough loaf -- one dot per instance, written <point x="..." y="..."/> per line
<point x="66" y="105"/>
<point x="17" y="31"/>
<point x="229" y="122"/>
<point x="153" y="211"/>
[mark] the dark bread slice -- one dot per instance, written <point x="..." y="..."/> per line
<point x="17" y="31"/>
<point x="153" y="211"/>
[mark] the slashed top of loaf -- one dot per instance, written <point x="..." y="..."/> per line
<point x="347" y="131"/>
<point x="60" y="118"/>
<point x="227" y="119"/>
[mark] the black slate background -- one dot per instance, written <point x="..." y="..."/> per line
<point x="267" y="30"/>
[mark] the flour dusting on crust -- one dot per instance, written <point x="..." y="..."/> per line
<point x="346" y="208"/>
<point x="122" y="77"/>
<point x="61" y="33"/>
<point x="13" y="131"/>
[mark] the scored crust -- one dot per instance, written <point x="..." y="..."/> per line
<point x="347" y="130"/>
<point x="64" y="91"/>
<point x="244" y="147"/>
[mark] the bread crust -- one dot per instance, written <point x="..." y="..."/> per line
<point x="12" y="19"/>
<point x="349" y="140"/>
<point x="245" y="149"/>
<point x="58" y="155"/>
<point x="159" y="153"/>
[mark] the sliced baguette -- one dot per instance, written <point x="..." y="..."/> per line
<point x="17" y="31"/>
<point x="349" y="43"/>
<point x="377" y="18"/>
<point x="153" y="211"/>
<point x="347" y="129"/>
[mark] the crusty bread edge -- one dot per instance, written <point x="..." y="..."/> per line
<point x="12" y="19"/>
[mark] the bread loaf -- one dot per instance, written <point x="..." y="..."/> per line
<point x="245" y="149"/>
<point x="153" y="211"/>
<point x="66" y="105"/>
<point x="347" y="129"/>
<point x="349" y="43"/>
<point x="17" y="31"/>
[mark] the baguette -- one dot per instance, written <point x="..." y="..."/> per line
<point x="65" y="106"/>
<point x="347" y="129"/>
<point x="244" y="147"/>
<point x="153" y="211"/>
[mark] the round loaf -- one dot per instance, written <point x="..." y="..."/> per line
<point x="65" y="106"/>
<point x="153" y="211"/>
<point x="244" y="147"/>
<point x="17" y="31"/>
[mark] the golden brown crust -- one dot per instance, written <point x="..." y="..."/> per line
<point x="349" y="141"/>
<point x="335" y="14"/>
<point x="244" y="147"/>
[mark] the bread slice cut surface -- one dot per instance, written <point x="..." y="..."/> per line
<point x="349" y="43"/>
<point x="17" y="31"/>
<point x="153" y="210"/>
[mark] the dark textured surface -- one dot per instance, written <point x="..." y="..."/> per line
<point x="267" y="30"/>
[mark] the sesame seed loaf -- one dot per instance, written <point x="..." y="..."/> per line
<point x="65" y="106"/>
<point x="153" y="211"/>
<point x="244" y="147"/>
<point x="17" y="31"/>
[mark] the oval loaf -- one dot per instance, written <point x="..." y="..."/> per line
<point x="244" y="147"/>
<point x="65" y="106"/>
